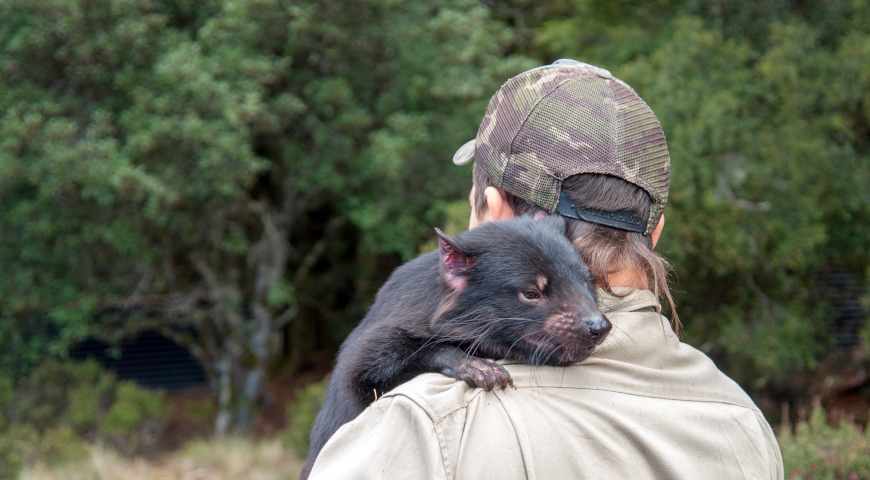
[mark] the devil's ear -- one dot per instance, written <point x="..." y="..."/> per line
<point x="454" y="262"/>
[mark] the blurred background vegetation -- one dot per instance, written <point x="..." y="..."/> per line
<point x="240" y="176"/>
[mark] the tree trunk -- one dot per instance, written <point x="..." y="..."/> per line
<point x="250" y="396"/>
<point x="245" y="348"/>
<point x="225" y="395"/>
<point x="241" y="389"/>
<point x="243" y="340"/>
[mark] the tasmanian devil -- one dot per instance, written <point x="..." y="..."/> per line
<point x="514" y="290"/>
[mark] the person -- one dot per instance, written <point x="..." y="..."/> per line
<point x="570" y="139"/>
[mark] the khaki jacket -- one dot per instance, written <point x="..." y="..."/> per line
<point x="643" y="406"/>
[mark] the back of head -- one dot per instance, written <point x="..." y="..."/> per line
<point x="571" y="139"/>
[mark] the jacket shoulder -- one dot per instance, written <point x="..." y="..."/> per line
<point x="436" y="394"/>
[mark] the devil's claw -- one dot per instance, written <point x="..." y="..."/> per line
<point x="485" y="374"/>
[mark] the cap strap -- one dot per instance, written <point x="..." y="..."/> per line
<point x="616" y="219"/>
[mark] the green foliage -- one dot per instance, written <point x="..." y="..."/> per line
<point x="240" y="167"/>
<point x="16" y="445"/>
<point x="61" y="393"/>
<point x="248" y="154"/>
<point x="133" y="406"/>
<point x="818" y="451"/>
<point x="765" y="107"/>
<point x="457" y="215"/>
<point x="301" y="415"/>
<point x="48" y="416"/>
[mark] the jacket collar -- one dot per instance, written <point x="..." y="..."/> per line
<point x="625" y="299"/>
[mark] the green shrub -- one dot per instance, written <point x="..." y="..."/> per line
<point x="22" y="445"/>
<point x="301" y="415"/>
<point x="15" y="443"/>
<point x="816" y="451"/>
<point x="133" y="408"/>
<point x="61" y="393"/>
<point x="83" y="410"/>
<point x="132" y="405"/>
<point x="48" y="415"/>
<point x="58" y="445"/>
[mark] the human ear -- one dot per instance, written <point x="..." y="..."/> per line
<point x="657" y="232"/>
<point x="496" y="206"/>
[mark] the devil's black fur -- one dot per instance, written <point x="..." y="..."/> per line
<point x="449" y="310"/>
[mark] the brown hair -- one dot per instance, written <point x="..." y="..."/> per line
<point x="605" y="250"/>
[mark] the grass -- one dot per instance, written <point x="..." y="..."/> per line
<point x="223" y="459"/>
<point x="812" y="450"/>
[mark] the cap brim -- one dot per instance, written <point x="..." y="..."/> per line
<point x="465" y="154"/>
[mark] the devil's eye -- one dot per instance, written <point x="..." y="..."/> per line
<point x="531" y="295"/>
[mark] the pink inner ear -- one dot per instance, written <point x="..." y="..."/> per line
<point x="454" y="263"/>
<point x="457" y="262"/>
<point x="456" y="282"/>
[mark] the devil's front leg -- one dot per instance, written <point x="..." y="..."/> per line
<point x="399" y="356"/>
<point x="475" y="371"/>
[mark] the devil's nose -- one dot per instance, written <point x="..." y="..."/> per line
<point x="598" y="329"/>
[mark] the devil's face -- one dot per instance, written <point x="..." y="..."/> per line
<point x="519" y="292"/>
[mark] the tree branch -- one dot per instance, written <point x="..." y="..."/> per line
<point x="317" y="250"/>
<point x="206" y="272"/>
<point x="140" y="287"/>
<point x="286" y="317"/>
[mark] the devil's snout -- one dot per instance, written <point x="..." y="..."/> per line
<point x="597" y="329"/>
<point x="574" y="331"/>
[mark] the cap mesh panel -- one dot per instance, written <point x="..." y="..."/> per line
<point x="553" y="122"/>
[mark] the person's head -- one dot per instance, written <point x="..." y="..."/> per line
<point x="570" y="139"/>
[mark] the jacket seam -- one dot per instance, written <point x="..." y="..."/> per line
<point x="516" y="434"/>
<point x="427" y="408"/>
<point x="650" y="395"/>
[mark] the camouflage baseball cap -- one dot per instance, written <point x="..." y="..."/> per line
<point x="551" y="122"/>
